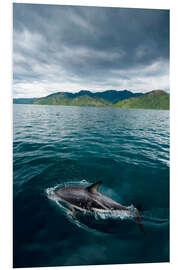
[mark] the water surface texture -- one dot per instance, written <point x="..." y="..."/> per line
<point x="127" y="149"/>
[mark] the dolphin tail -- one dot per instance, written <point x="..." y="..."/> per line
<point x="139" y="223"/>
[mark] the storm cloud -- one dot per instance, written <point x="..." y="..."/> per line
<point x="72" y="48"/>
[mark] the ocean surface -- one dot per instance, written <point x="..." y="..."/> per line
<point x="127" y="149"/>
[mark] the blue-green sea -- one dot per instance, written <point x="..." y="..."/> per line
<point x="127" y="149"/>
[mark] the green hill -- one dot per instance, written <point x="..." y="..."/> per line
<point x="55" y="99"/>
<point x="67" y="100"/>
<point x="90" y="101"/>
<point x="156" y="99"/>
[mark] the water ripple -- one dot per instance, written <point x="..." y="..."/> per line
<point x="126" y="149"/>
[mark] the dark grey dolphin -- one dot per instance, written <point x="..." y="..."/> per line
<point x="89" y="199"/>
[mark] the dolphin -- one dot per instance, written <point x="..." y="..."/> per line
<point x="89" y="199"/>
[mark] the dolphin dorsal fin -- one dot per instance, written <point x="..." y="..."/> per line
<point x="93" y="188"/>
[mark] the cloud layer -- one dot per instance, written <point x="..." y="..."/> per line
<point x="70" y="48"/>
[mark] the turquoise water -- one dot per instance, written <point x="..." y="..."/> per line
<point x="126" y="149"/>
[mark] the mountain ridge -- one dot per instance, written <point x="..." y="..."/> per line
<point x="110" y="95"/>
<point x="155" y="99"/>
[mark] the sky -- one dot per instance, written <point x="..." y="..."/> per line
<point x="72" y="48"/>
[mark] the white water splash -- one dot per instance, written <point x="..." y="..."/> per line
<point x="64" y="208"/>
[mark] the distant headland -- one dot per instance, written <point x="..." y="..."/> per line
<point x="156" y="99"/>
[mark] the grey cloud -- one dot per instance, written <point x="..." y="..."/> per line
<point x="89" y="45"/>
